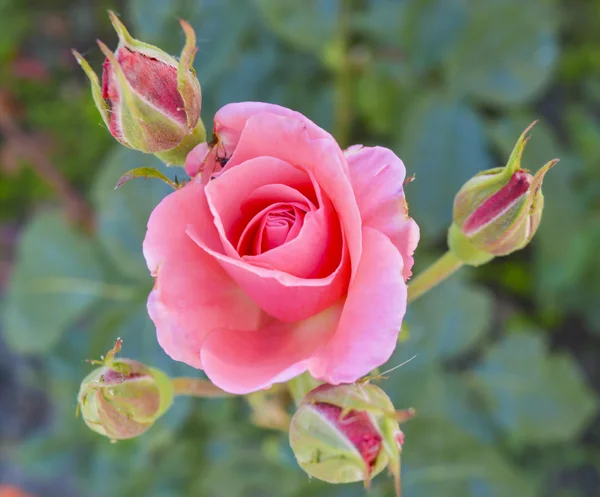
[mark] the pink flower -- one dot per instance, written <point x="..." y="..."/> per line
<point x="292" y="258"/>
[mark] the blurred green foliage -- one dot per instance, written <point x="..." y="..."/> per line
<point x="506" y="370"/>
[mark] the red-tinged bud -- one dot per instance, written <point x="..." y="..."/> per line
<point x="149" y="100"/>
<point x="347" y="433"/>
<point x="123" y="398"/>
<point x="498" y="211"/>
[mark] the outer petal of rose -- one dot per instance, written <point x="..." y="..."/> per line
<point x="282" y="295"/>
<point x="377" y="176"/>
<point x="289" y="140"/>
<point x="195" y="159"/>
<point x="192" y="294"/>
<point x="372" y="316"/>
<point x="242" y="361"/>
<point x="231" y="119"/>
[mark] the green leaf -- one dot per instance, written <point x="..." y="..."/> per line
<point x="14" y="24"/>
<point x="441" y="459"/>
<point x="505" y="53"/>
<point x="155" y="21"/>
<point x="443" y="143"/>
<point x="462" y="316"/>
<point x="535" y="397"/>
<point x="585" y="132"/>
<point x="56" y="278"/>
<point x="380" y="98"/>
<point x="123" y="214"/>
<point x="308" y="25"/>
<point x="422" y="31"/>
<point x="432" y="29"/>
<point x="144" y="172"/>
<point x="461" y="319"/>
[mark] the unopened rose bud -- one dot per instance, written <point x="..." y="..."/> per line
<point x="347" y="433"/>
<point x="498" y="211"/>
<point x="149" y="100"/>
<point x="123" y="398"/>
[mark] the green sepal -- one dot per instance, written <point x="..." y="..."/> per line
<point x="536" y="184"/>
<point x="128" y="41"/>
<point x="176" y="156"/>
<point x="301" y="385"/>
<point x="165" y="387"/>
<point x="101" y="105"/>
<point x="462" y="248"/>
<point x="187" y="82"/>
<point x="322" y="450"/>
<point x="514" y="161"/>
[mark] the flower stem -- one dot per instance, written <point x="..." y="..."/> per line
<point x="196" y="387"/>
<point x="343" y="78"/>
<point x="301" y="385"/>
<point x="434" y="274"/>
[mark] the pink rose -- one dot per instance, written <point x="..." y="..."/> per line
<point x="283" y="254"/>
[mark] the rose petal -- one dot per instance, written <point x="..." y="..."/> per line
<point x="195" y="159"/>
<point x="377" y="176"/>
<point x="192" y="294"/>
<point x="229" y="123"/>
<point x="242" y="361"/>
<point x="227" y="195"/>
<point x="271" y="227"/>
<point x="231" y="119"/>
<point x="372" y="316"/>
<point x="265" y="195"/>
<point x="269" y="135"/>
<point x="315" y="252"/>
<point x="280" y="294"/>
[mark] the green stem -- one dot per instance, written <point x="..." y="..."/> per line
<point x="343" y="79"/>
<point x="301" y="385"/>
<point x="196" y="387"/>
<point x="434" y="274"/>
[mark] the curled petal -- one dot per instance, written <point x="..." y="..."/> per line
<point x="377" y="179"/>
<point x="372" y="316"/>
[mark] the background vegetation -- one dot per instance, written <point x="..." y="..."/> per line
<point x="507" y="373"/>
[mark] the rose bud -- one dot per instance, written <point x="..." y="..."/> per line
<point x="149" y="100"/>
<point x="498" y="211"/>
<point x="123" y="398"/>
<point x="347" y="433"/>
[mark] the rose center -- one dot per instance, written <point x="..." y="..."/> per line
<point x="271" y="228"/>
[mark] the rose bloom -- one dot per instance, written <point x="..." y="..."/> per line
<point x="282" y="254"/>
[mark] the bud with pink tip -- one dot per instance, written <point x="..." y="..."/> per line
<point x="149" y="100"/>
<point x="498" y="211"/>
<point x="348" y="433"/>
<point x="123" y="398"/>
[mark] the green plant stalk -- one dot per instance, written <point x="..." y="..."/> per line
<point x="343" y="78"/>
<point x="196" y="387"/>
<point x="446" y="265"/>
